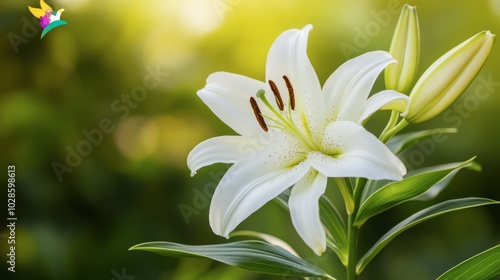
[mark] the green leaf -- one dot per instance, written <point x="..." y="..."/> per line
<point x="398" y="192"/>
<point x="271" y="239"/>
<point x="403" y="142"/>
<point x="374" y="185"/>
<point x="484" y="265"/>
<point x="336" y="228"/>
<point x="437" y="188"/>
<point x="252" y="255"/>
<point x="421" y="216"/>
<point x="371" y="187"/>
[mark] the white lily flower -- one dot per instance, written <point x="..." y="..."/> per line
<point x="304" y="136"/>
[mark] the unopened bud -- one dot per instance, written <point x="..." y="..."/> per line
<point x="448" y="77"/>
<point x="405" y="48"/>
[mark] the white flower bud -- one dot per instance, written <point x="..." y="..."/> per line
<point x="448" y="77"/>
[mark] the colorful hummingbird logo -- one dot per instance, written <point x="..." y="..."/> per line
<point x="48" y="20"/>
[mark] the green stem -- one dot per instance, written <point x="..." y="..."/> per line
<point x="352" y="241"/>
<point x="393" y="131"/>
<point x="392" y="122"/>
<point x="353" y="231"/>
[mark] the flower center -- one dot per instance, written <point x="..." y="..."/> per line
<point x="280" y="119"/>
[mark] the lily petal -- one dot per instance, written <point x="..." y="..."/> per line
<point x="355" y="152"/>
<point x="252" y="181"/>
<point x="228" y="95"/>
<point x="223" y="149"/>
<point x="288" y="56"/>
<point x="349" y="86"/>
<point x="385" y="100"/>
<point x="304" y="209"/>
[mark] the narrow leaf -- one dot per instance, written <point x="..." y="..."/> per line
<point x="371" y="187"/>
<point x="374" y="185"/>
<point x="484" y="265"/>
<point x="403" y="142"/>
<point x="421" y="216"/>
<point x="440" y="186"/>
<point x="396" y="193"/>
<point x="251" y="255"/>
<point x="335" y="227"/>
<point x="271" y="239"/>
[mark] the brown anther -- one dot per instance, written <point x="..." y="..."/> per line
<point x="291" y="94"/>
<point x="277" y="95"/>
<point x="258" y="114"/>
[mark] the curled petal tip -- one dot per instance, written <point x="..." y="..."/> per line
<point x="215" y="230"/>
<point x="309" y="27"/>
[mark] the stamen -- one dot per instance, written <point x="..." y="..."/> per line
<point x="258" y="114"/>
<point x="279" y="120"/>
<point x="291" y="94"/>
<point x="277" y="95"/>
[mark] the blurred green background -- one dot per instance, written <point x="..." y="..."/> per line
<point x="130" y="183"/>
